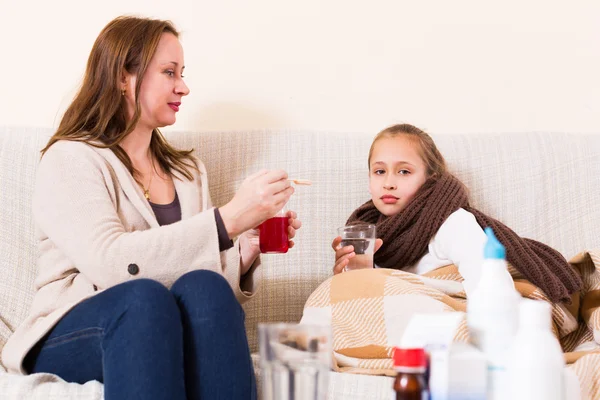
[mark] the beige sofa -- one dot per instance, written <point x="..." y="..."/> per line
<point x="544" y="185"/>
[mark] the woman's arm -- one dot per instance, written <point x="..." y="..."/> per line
<point x="76" y="214"/>
<point x="242" y="253"/>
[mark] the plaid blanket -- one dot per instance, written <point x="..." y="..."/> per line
<point x="369" y="310"/>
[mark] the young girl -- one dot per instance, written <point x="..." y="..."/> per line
<point x="424" y="220"/>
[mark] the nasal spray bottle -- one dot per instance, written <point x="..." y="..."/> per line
<point x="492" y="316"/>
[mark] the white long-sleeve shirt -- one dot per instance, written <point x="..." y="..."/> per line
<point x="459" y="241"/>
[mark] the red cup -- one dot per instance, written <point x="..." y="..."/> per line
<point x="274" y="234"/>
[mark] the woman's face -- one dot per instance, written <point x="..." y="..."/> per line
<point x="396" y="172"/>
<point x="162" y="88"/>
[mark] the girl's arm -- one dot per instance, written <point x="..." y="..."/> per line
<point x="461" y="240"/>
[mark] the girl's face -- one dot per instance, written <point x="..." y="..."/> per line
<point x="396" y="172"/>
<point x="163" y="86"/>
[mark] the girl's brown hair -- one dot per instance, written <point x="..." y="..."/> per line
<point x="433" y="159"/>
<point x="97" y="115"/>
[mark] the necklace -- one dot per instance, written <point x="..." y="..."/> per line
<point x="147" y="191"/>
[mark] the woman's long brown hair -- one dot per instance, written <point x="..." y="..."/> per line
<point x="97" y="115"/>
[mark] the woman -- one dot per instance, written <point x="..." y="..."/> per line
<point x="138" y="275"/>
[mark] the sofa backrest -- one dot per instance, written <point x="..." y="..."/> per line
<point x="543" y="185"/>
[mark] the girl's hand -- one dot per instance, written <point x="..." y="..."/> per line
<point x="250" y="242"/>
<point x="344" y="254"/>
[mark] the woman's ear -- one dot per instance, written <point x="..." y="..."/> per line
<point x="123" y="80"/>
<point x="126" y="81"/>
<point x="127" y="84"/>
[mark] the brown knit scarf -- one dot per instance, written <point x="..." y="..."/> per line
<point x="406" y="237"/>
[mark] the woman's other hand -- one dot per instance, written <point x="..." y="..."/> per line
<point x="259" y="197"/>
<point x="294" y="225"/>
<point x="250" y="241"/>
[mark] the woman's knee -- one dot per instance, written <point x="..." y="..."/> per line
<point x="148" y="295"/>
<point x="208" y="290"/>
<point x="203" y="282"/>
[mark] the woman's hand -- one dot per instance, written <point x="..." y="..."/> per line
<point x="249" y="249"/>
<point x="344" y="254"/>
<point x="249" y="242"/>
<point x="294" y="225"/>
<point x="259" y="197"/>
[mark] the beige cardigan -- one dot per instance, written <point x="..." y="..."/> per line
<point x="92" y="222"/>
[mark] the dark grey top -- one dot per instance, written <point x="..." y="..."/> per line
<point x="169" y="213"/>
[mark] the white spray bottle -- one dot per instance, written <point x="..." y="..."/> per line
<point x="537" y="364"/>
<point x="492" y="316"/>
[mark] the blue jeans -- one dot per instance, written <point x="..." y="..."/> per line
<point x="144" y="341"/>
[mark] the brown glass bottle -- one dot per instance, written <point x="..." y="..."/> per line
<point x="410" y="383"/>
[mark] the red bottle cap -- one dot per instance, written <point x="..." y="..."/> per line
<point x="411" y="358"/>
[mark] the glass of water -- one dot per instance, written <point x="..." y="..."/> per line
<point x="362" y="237"/>
<point x="295" y="361"/>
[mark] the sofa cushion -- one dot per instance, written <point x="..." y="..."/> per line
<point x="47" y="386"/>
<point x="543" y="185"/>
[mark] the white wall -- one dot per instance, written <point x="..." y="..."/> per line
<point x="446" y="66"/>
